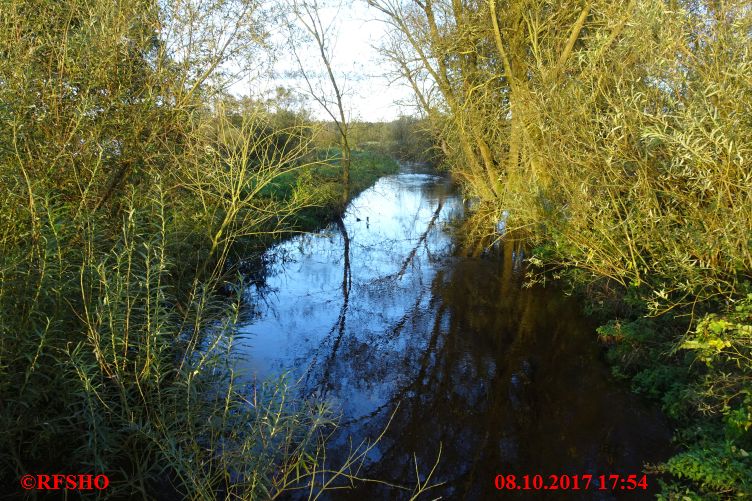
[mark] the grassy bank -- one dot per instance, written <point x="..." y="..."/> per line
<point x="322" y="180"/>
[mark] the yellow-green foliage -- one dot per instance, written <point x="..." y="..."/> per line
<point x="620" y="129"/>
<point x="125" y="183"/>
<point x="617" y="136"/>
<point x="645" y="155"/>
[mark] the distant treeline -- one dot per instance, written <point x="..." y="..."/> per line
<point x="406" y="138"/>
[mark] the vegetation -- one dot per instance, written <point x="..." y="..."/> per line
<point x="322" y="180"/>
<point x="406" y="138"/>
<point x="128" y="179"/>
<point x="615" y="136"/>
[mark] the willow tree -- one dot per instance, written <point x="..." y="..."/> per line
<point x="110" y="111"/>
<point x="620" y="135"/>
<point x="488" y="61"/>
<point x="430" y="44"/>
<point x="632" y="153"/>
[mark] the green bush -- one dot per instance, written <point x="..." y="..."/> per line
<point x="127" y="184"/>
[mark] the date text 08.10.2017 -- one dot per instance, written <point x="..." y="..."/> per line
<point x="583" y="482"/>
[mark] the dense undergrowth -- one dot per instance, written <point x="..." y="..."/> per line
<point x="117" y="351"/>
<point x="702" y="383"/>
<point x="128" y="185"/>
<point x="697" y="371"/>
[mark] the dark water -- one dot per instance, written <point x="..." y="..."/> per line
<point x="382" y="313"/>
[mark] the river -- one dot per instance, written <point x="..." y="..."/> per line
<point x="385" y="317"/>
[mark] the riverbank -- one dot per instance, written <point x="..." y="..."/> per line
<point x="118" y="342"/>
<point x="700" y="374"/>
<point x="322" y="181"/>
<point x="697" y="371"/>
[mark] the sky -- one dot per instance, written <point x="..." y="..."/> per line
<point x="365" y="77"/>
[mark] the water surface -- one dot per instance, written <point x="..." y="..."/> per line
<point x="382" y="313"/>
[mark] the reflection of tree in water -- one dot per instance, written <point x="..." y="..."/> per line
<point x="339" y="327"/>
<point x="334" y="338"/>
<point x="507" y="379"/>
<point x="490" y="370"/>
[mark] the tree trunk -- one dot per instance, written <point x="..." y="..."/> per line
<point x="345" y="171"/>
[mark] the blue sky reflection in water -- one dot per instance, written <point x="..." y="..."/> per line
<point x="508" y="379"/>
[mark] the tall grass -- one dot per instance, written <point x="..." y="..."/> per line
<point x="108" y="365"/>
